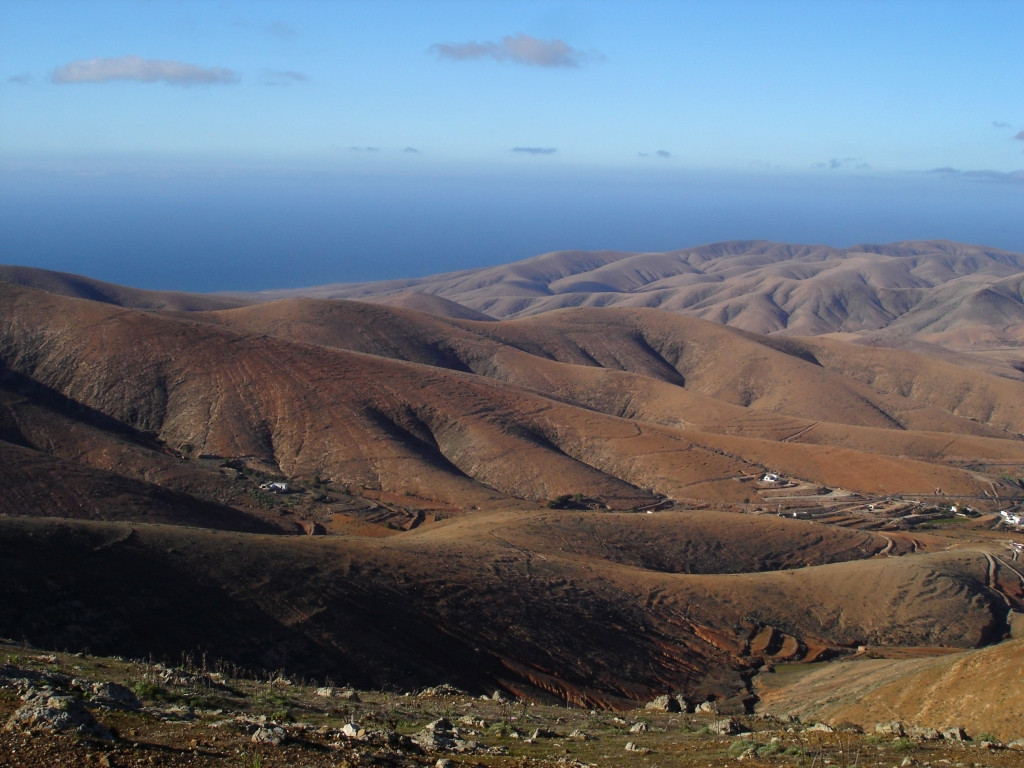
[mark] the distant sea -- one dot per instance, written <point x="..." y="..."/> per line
<point x="260" y="231"/>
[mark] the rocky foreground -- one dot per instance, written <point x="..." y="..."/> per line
<point x="79" y="710"/>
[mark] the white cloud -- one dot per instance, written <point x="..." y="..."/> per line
<point x="141" y="70"/>
<point x="534" y="150"/>
<point x="518" y="49"/>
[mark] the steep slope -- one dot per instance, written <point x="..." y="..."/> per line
<point x="729" y="367"/>
<point x="372" y="421"/>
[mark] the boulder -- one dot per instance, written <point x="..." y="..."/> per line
<point x="44" y="712"/>
<point x="727" y="727"/>
<point x="270" y="734"/>
<point x="892" y="728"/>
<point x="114" y="696"/>
<point x="925" y="734"/>
<point x="352" y="731"/>
<point x="664" y="704"/>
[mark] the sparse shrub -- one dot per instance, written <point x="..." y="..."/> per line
<point x="273" y="704"/>
<point x="770" y="749"/>
<point x="904" y="745"/>
<point x="740" y="746"/>
<point x="151" y="691"/>
<point x="263" y="499"/>
<point x="568" y="501"/>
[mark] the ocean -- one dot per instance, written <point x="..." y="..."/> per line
<point x="254" y="231"/>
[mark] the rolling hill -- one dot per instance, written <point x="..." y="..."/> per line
<point x="936" y="296"/>
<point x="477" y="481"/>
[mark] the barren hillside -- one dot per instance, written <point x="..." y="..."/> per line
<point x="477" y="490"/>
<point x="960" y="297"/>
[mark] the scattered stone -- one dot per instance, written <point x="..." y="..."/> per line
<point x="270" y="734"/>
<point x="440" y="736"/>
<point x="444" y="762"/>
<point x="326" y="692"/>
<point x="543" y="733"/>
<point x="443" y="690"/>
<point x="498" y="696"/>
<point x="664" y="704"/>
<point x="925" y="734"/>
<point x="579" y="735"/>
<point x="631" y="747"/>
<point x="955" y="734"/>
<point x="821" y="727"/>
<point x="1016" y="744"/>
<point x="706" y="708"/>
<point x="640" y="727"/>
<point x="349" y="694"/>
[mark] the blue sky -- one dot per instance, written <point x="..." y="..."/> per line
<point x="523" y="111"/>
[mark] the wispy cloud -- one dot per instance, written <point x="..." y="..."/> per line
<point x="143" y="71"/>
<point x="23" y="79"/>
<point x="282" y="30"/>
<point x="845" y="162"/>
<point x="518" y="49"/>
<point x="1020" y="136"/>
<point x="534" y="150"/>
<point x="365" y="149"/>
<point x="663" y="154"/>
<point x="1014" y="177"/>
<point x="411" y="150"/>
<point x="998" y="124"/>
<point x="282" y="77"/>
